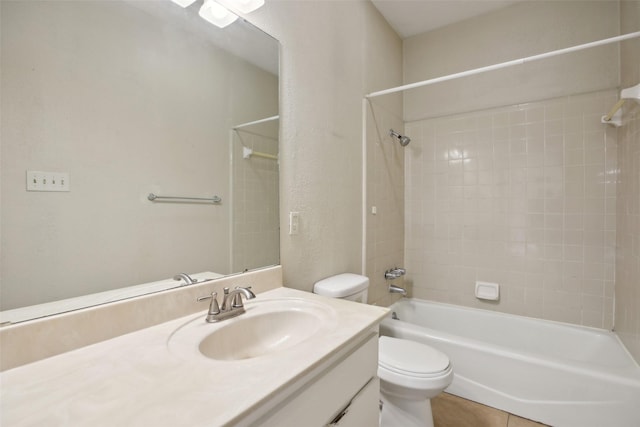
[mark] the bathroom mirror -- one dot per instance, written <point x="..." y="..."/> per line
<point x="106" y="102"/>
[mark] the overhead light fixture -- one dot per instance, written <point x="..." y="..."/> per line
<point x="242" y="6"/>
<point x="184" y="3"/>
<point x="216" y="14"/>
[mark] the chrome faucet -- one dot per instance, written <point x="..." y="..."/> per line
<point x="231" y="303"/>
<point x="184" y="276"/>
<point x="394" y="273"/>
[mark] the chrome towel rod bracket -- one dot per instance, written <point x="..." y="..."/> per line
<point x="153" y="197"/>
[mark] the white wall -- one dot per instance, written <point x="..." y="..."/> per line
<point x="524" y="29"/>
<point x="332" y="54"/>
<point x="516" y="186"/>
<point x="385" y="171"/>
<point x="627" y="290"/>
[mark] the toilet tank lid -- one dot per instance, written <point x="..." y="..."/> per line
<point x="341" y="285"/>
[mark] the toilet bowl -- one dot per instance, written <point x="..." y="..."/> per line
<point x="410" y="373"/>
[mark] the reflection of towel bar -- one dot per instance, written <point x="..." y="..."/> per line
<point x="214" y="199"/>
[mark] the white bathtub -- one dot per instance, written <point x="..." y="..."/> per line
<point x="559" y="374"/>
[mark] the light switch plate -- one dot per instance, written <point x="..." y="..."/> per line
<point x="47" y="181"/>
<point x="294" y="223"/>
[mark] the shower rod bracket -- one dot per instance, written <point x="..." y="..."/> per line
<point x="615" y="120"/>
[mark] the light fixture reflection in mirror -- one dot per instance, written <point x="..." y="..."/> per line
<point x="242" y="6"/>
<point x="216" y="14"/>
<point x="184" y="3"/>
<point x="128" y="98"/>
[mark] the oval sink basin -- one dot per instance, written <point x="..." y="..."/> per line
<point x="259" y="335"/>
<point x="267" y="327"/>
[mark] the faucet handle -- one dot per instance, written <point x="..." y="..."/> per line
<point x="391" y="274"/>
<point x="213" y="307"/>
<point x="225" y="298"/>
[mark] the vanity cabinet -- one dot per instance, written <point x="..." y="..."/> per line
<point x="343" y="394"/>
<point x="362" y="410"/>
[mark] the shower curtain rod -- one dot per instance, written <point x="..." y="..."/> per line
<point x="255" y="122"/>
<point x="504" y="64"/>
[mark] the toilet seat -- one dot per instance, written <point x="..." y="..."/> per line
<point x="410" y="358"/>
<point x="411" y="370"/>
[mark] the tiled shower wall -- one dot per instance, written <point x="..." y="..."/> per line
<point x="523" y="196"/>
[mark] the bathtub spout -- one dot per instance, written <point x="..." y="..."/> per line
<point x="397" y="290"/>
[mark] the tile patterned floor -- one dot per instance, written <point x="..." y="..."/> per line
<point x="453" y="411"/>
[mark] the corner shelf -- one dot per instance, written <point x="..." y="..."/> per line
<point x="631" y="93"/>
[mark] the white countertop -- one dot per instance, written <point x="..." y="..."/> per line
<point x="135" y="380"/>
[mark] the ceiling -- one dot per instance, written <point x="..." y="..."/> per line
<point x="411" y="17"/>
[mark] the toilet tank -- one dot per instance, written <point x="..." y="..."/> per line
<point x="349" y="286"/>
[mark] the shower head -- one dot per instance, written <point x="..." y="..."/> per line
<point x="404" y="140"/>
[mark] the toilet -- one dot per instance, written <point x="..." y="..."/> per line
<point x="410" y="373"/>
